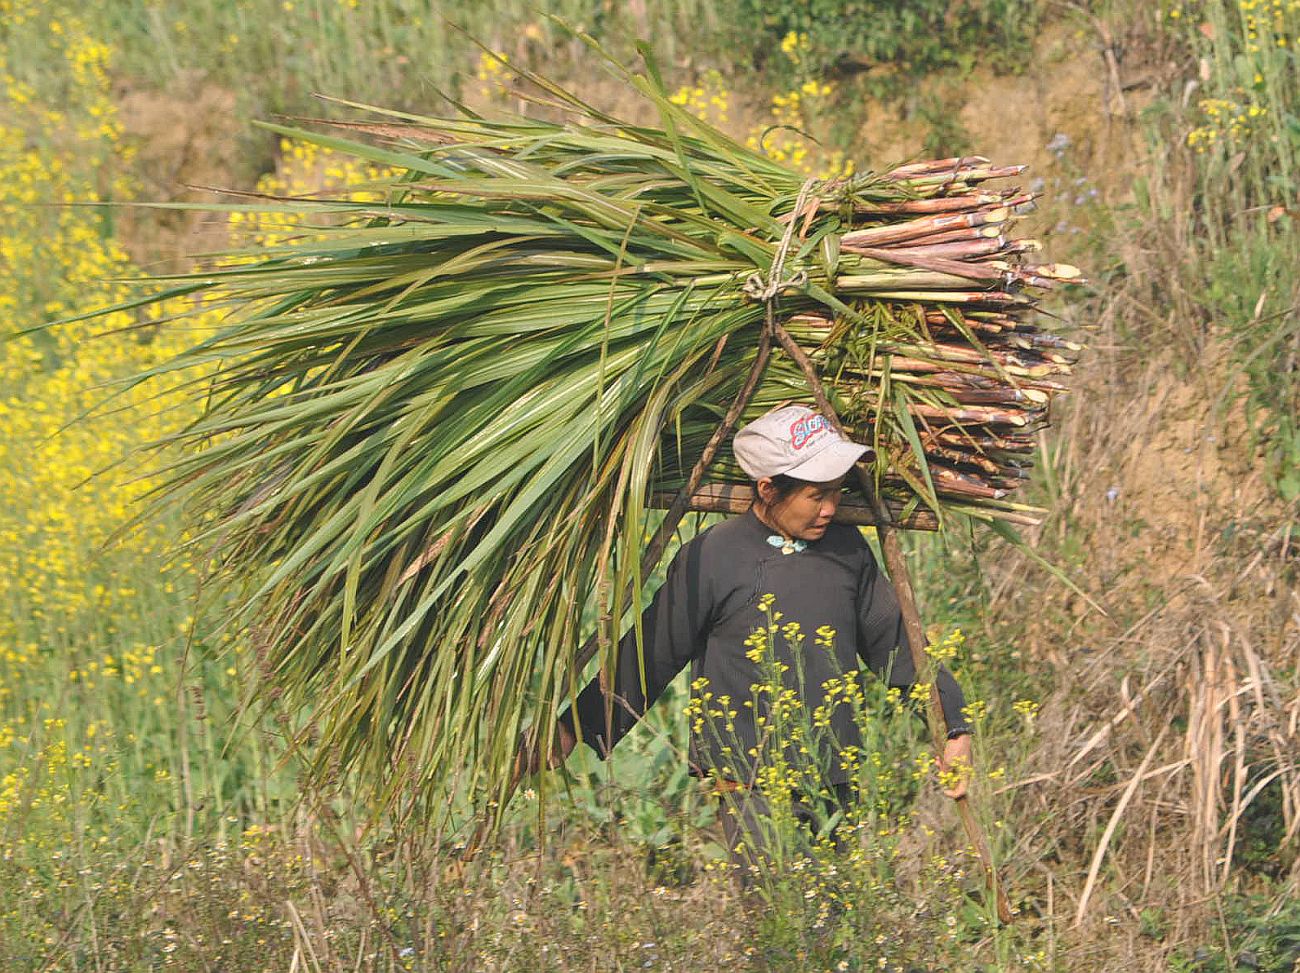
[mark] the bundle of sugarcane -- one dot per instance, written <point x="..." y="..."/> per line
<point x="437" y="423"/>
<point x="940" y="294"/>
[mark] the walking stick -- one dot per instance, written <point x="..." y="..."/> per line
<point x="911" y="616"/>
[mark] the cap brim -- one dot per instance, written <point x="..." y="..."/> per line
<point x="829" y="464"/>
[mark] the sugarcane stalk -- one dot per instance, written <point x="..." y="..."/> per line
<point x="1011" y="516"/>
<point x="986" y="269"/>
<point x="908" y="257"/>
<point x="957" y="249"/>
<point x="952" y="235"/>
<point x="947" y="479"/>
<point x="1006" y="483"/>
<point x="958" y="353"/>
<point x="1004" y="318"/>
<point x="935" y="204"/>
<point x="1049" y="341"/>
<point x="901" y="578"/>
<point x="1032" y="280"/>
<point x="876" y="235"/>
<point x="974" y="415"/>
<point x="968" y="453"/>
<point x="1066" y="272"/>
<point x="884" y="283"/>
<point x="986" y="440"/>
<point x="964" y="175"/>
<point x="1023" y="246"/>
<point x="1002" y="396"/>
<point x="967" y="390"/>
<point x="942" y="351"/>
<point x="961" y="457"/>
<point x="934" y="165"/>
<point x="957" y="367"/>
<point x="978" y="298"/>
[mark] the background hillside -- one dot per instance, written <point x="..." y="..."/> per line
<point x="1137" y="768"/>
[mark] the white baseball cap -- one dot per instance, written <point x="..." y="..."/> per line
<point x="798" y="442"/>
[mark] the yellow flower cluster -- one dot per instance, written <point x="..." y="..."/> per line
<point x="707" y="100"/>
<point x="756" y="645"/>
<point x="305" y="170"/>
<point x="695" y="708"/>
<point x="1227" y="123"/>
<point x="976" y="711"/>
<point x="492" y="75"/>
<point x="946" y="649"/>
<point x="15" y="13"/>
<point x="56" y="788"/>
<point x="782" y="135"/>
<point x="785" y="137"/>
<point x="793" y="114"/>
<point x="794" y="46"/>
<point x="812" y="874"/>
<point x="1026" y="708"/>
<point x="1249" y="77"/>
<point x="845" y="690"/>
<point x="55" y="514"/>
<point x="1270" y="21"/>
<point x="94" y="611"/>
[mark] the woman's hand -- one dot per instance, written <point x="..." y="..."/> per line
<point x="955" y="767"/>
<point x="529" y="759"/>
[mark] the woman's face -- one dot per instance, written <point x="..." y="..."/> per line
<point x="806" y="511"/>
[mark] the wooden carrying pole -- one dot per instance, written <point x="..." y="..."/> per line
<point x="901" y="578"/>
<point x="733" y="498"/>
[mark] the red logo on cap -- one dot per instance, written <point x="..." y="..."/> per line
<point x="803" y="430"/>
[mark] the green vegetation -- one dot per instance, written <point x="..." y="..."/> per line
<point x="444" y="401"/>
<point x="277" y="54"/>
<point x="1247" y="154"/>
<point x="890" y="44"/>
<point x="145" y="826"/>
<point x="833" y="881"/>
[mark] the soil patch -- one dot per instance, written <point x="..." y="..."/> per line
<point x="185" y="137"/>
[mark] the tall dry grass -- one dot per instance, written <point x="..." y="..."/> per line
<point x="1164" y="781"/>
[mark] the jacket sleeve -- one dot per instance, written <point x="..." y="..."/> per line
<point x="884" y="646"/>
<point x="674" y="628"/>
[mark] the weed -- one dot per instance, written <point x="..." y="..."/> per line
<point x="821" y="835"/>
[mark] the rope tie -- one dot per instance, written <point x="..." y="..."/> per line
<point x="767" y="290"/>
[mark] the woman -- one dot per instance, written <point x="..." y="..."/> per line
<point x="817" y="573"/>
